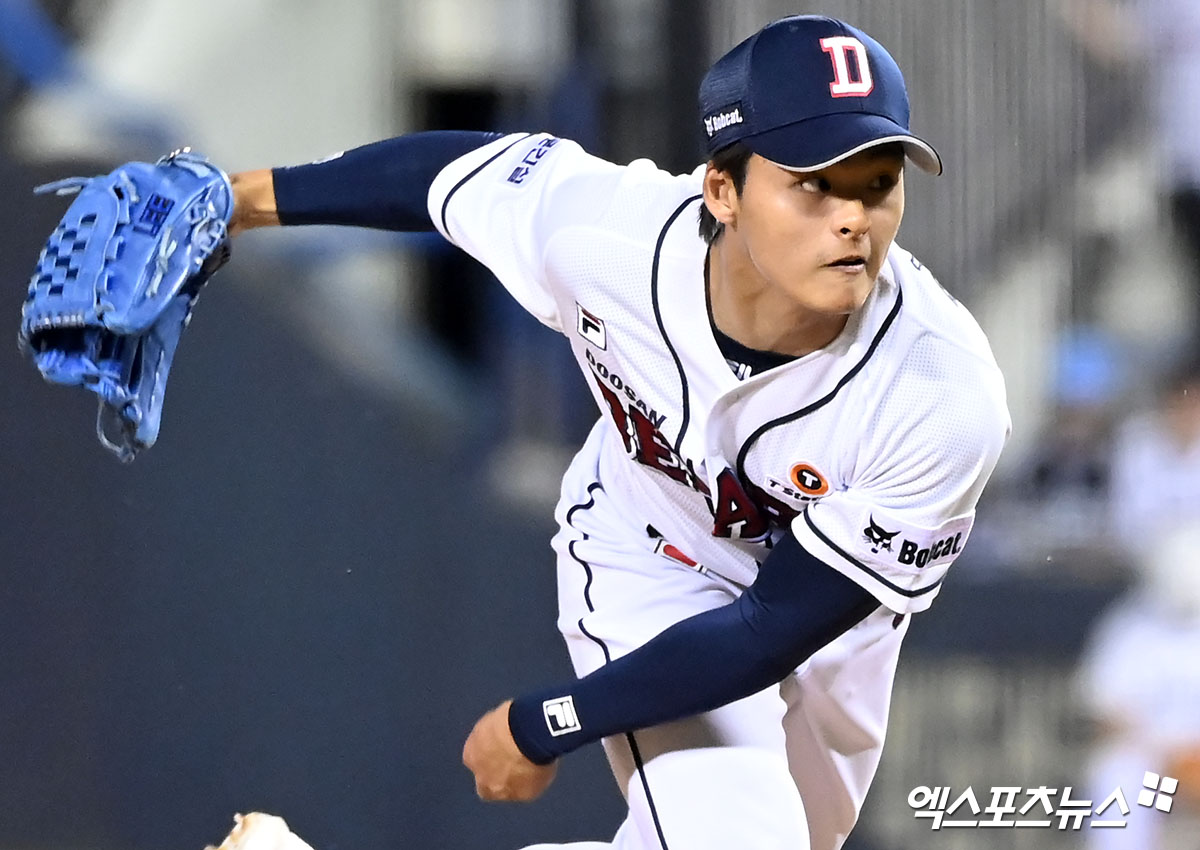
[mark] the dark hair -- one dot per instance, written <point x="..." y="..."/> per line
<point x="733" y="159"/>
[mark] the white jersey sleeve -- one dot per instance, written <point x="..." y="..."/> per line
<point x="504" y="202"/>
<point x="927" y="448"/>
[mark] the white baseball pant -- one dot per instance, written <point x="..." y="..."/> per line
<point x="785" y="768"/>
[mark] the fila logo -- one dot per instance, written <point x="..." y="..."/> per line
<point x="844" y="83"/>
<point x="591" y="327"/>
<point x="561" y="718"/>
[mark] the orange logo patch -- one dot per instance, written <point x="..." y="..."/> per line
<point x="808" y="481"/>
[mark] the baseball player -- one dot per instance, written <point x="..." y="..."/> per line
<point x="796" y="424"/>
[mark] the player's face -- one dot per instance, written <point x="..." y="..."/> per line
<point x="821" y="237"/>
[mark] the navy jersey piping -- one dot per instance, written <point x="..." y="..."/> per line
<point x="911" y="594"/>
<point x="587" y="568"/>
<point x="587" y="598"/>
<point x="821" y="402"/>
<point x="686" y="415"/>
<point x="483" y="165"/>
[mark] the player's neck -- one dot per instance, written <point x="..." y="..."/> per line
<point x="752" y="311"/>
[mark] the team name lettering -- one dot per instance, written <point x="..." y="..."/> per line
<point x="714" y="124"/>
<point x="621" y="386"/>
<point x="644" y="442"/>
<point x="734" y="513"/>
<point x="910" y="553"/>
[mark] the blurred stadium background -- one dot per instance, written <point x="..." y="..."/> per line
<point x="337" y="557"/>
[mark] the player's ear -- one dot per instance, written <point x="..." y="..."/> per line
<point x="720" y="195"/>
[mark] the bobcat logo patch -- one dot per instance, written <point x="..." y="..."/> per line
<point x="878" y="537"/>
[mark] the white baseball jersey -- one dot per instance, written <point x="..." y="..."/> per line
<point x="873" y="449"/>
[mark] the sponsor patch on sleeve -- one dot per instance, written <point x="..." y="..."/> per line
<point x="885" y="540"/>
<point x="902" y="564"/>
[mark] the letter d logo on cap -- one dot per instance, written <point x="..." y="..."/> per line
<point x="844" y="85"/>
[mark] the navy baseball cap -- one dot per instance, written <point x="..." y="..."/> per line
<point x="805" y="92"/>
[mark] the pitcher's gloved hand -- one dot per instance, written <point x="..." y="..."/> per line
<point x="114" y="287"/>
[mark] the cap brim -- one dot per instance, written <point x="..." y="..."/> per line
<point x="818" y="143"/>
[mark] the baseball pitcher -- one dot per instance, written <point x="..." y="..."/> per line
<point x="796" y="422"/>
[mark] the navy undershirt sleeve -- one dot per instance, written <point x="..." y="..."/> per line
<point x="796" y="605"/>
<point x="384" y="185"/>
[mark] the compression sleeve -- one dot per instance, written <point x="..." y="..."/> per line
<point x="384" y="185"/>
<point x="796" y="605"/>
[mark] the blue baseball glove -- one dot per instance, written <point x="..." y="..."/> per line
<point x="115" y="286"/>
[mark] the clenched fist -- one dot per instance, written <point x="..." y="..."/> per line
<point x="501" y="771"/>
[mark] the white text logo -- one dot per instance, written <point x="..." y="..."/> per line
<point x="714" y="124"/>
<point x="561" y="718"/>
<point x="1048" y="808"/>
